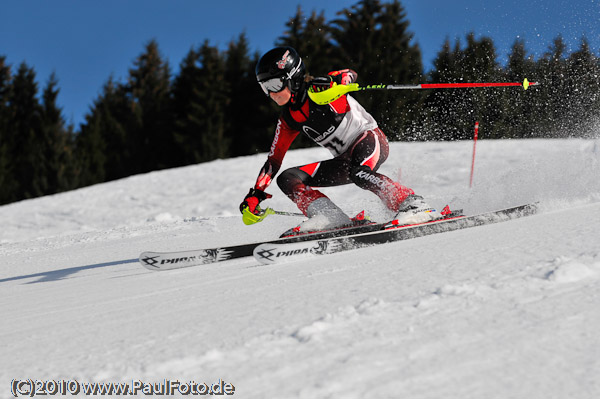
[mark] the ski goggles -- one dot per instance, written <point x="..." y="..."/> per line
<point x="273" y="85"/>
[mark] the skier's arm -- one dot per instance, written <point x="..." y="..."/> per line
<point x="284" y="136"/>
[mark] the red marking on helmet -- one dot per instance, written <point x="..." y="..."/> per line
<point x="281" y="64"/>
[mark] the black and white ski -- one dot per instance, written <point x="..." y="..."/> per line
<point x="176" y="260"/>
<point x="369" y="234"/>
<point x="270" y="253"/>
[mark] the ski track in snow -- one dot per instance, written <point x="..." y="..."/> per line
<point x="498" y="311"/>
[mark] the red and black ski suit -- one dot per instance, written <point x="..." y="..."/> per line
<point x="351" y="134"/>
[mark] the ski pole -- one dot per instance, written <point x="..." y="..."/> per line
<point x="281" y="213"/>
<point x="336" y="91"/>
<point x="252" y="218"/>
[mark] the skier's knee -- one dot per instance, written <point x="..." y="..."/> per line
<point x="288" y="180"/>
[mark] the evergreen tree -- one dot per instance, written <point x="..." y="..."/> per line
<point x="552" y="105"/>
<point x="373" y="39"/>
<point x="7" y="182"/>
<point x="480" y="65"/>
<point x="34" y="146"/>
<point x="456" y="111"/>
<point x="311" y="38"/>
<point x="150" y="140"/>
<point x="441" y="107"/>
<point x="57" y="144"/>
<point x="518" y="120"/>
<point x="214" y="108"/>
<point x="248" y="125"/>
<point x="25" y="136"/>
<point x="90" y="151"/>
<point x="357" y="39"/>
<point x="128" y="130"/>
<point x="214" y="98"/>
<point x="582" y="91"/>
<point x="103" y="147"/>
<point x="186" y="102"/>
<point x="200" y="98"/>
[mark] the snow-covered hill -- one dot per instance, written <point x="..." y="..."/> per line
<point x="500" y="311"/>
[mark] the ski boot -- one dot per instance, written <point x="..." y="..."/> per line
<point x="322" y="215"/>
<point x="414" y="210"/>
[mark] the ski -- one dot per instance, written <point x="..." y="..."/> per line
<point x="159" y="261"/>
<point x="270" y="253"/>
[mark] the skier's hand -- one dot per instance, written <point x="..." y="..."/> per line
<point x="252" y="199"/>
<point x="344" y="76"/>
<point x="321" y="83"/>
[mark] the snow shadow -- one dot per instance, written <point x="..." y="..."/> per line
<point x="55" y="275"/>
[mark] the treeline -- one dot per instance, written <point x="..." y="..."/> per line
<point x="213" y="108"/>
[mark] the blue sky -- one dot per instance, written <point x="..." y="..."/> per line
<point x="84" y="41"/>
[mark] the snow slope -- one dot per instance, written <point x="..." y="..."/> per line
<point x="501" y="311"/>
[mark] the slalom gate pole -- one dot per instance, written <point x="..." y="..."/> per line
<point x="474" y="149"/>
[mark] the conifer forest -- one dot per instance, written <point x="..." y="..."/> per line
<point x="212" y="107"/>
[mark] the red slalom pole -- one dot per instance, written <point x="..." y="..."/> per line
<point x="474" y="148"/>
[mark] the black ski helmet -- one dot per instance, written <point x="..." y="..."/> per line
<point x="278" y="68"/>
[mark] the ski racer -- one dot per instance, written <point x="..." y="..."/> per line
<point x="345" y="128"/>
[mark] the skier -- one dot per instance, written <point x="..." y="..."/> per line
<point x="350" y="133"/>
